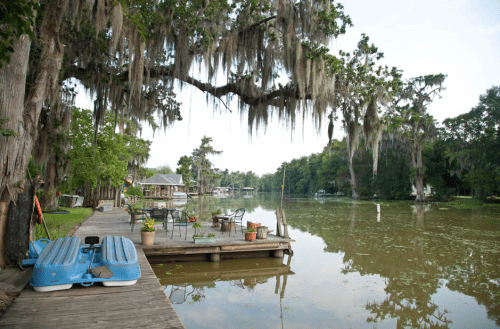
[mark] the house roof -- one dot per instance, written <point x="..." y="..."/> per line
<point x="163" y="179"/>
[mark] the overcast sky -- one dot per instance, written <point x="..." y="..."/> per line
<point x="460" y="38"/>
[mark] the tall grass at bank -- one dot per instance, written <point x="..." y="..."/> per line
<point x="469" y="203"/>
<point x="60" y="225"/>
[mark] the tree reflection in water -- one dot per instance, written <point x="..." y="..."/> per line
<point x="416" y="259"/>
<point x="423" y="252"/>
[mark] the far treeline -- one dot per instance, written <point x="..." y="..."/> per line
<point x="463" y="158"/>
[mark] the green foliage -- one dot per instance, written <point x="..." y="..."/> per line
<point x="473" y="140"/>
<point x="199" y="230"/>
<point x="184" y="169"/>
<point x="206" y="176"/>
<point x="392" y="181"/>
<point x="60" y="225"/>
<point x="106" y="163"/>
<point x="17" y="17"/>
<point x="165" y="170"/>
<point x="149" y="172"/>
<point x="441" y="171"/>
<point x="135" y="190"/>
<point x="466" y="204"/>
<point x="148" y="225"/>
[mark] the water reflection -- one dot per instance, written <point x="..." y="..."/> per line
<point x="190" y="283"/>
<point x="417" y="260"/>
<point x="178" y="279"/>
<point x="418" y="266"/>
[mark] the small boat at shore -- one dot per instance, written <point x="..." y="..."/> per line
<point x="180" y="195"/>
<point x="323" y="194"/>
<point x="66" y="261"/>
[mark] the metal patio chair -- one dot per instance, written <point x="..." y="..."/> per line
<point x="236" y="217"/>
<point x="179" y="294"/>
<point x="158" y="215"/>
<point x="180" y="218"/>
<point x="132" y="216"/>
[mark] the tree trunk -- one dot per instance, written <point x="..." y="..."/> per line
<point x="50" y="148"/>
<point x="354" y="187"/>
<point x="419" y="173"/>
<point x="51" y="182"/>
<point x="420" y="215"/>
<point x="15" y="150"/>
<point x="419" y="185"/>
<point x="23" y="107"/>
<point x="199" y="180"/>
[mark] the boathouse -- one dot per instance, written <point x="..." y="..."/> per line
<point x="162" y="186"/>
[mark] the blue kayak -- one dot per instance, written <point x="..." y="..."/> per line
<point x="66" y="261"/>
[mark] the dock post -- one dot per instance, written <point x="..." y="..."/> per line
<point x="215" y="258"/>
<point x="278" y="254"/>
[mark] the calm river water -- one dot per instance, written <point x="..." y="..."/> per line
<point x="415" y="266"/>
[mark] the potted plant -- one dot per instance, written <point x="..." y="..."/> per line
<point x="250" y="234"/>
<point x="192" y="217"/>
<point x="215" y="218"/>
<point x="148" y="230"/>
<point x="252" y="225"/>
<point x="199" y="234"/>
<point x="216" y="213"/>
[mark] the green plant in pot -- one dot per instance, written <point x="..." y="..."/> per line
<point x="250" y="234"/>
<point x="199" y="234"/>
<point x="216" y="213"/>
<point x="192" y="217"/>
<point x="199" y="230"/>
<point x="148" y="230"/>
<point x="148" y="225"/>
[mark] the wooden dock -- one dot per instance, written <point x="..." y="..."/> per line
<point x="141" y="305"/>
<point x="180" y="248"/>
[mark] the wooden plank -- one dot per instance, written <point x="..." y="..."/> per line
<point x="285" y="226"/>
<point x="176" y="251"/>
<point x="251" y="247"/>
<point x="13" y="281"/>
<point x="130" y="316"/>
<point x="279" y="231"/>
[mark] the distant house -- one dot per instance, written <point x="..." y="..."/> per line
<point x="162" y="186"/>
<point x="428" y="190"/>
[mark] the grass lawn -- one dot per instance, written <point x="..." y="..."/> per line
<point x="60" y="225"/>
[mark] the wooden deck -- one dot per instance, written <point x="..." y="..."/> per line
<point x="143" y="304"/>
<point x="180" y="248"/>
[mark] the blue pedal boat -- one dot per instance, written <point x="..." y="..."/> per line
<point x="67" y="261"/>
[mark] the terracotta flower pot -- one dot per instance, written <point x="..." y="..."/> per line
<point x="250" y="236"/>
<point x="252" y="225"/>
<point x="147" y="238"/>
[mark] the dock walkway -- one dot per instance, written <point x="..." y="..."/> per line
<point x="141" y="305"/>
